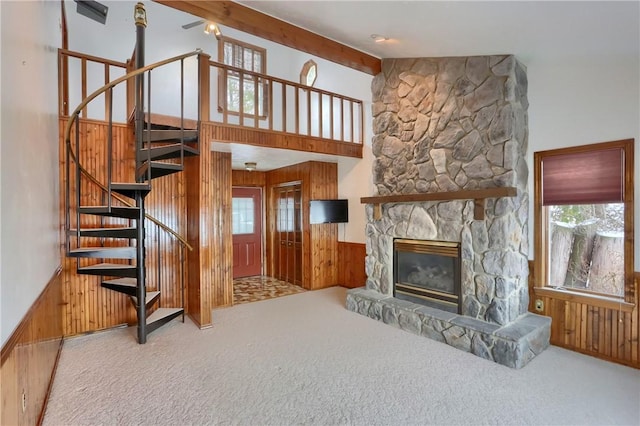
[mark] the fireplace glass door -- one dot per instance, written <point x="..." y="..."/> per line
<point x="428" y="273"/>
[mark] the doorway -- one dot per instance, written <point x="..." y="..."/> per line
<point x="287" y="251"/>
<point x="247" y="231"/>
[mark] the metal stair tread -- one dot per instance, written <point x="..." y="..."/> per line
<point x="115" y="232"/>
<point x="109" y="269"/>
<point x="161" y="316"/>
<point x="167" y="152"/>
<point x="124" y="212"/>
<point x="125" y="252"/>
<point x="130" y="189"/>
<point x="128" y="286"/>
<point x="158" y="169"/>
<point x="150" y="297"/>
<point x="159" y="135"/>
<point x="125" y="282"/>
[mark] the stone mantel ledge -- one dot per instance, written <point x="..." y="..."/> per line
<point x="478" y="195"/>
<point x="512" y="345"/>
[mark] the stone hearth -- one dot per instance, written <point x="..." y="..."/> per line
<point x="447" y="125"/>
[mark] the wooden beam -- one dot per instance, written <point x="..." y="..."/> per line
<point x="251" y="21"/>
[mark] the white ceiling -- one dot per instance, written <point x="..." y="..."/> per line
<point x="532" y="29"/>
<point x="535" y="31"/>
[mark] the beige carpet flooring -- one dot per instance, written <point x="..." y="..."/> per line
<point x="304" y="359"/>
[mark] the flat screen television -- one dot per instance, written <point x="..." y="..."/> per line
<point x="328" y="211"/>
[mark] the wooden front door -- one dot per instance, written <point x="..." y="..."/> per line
<point x="247" y="231"/>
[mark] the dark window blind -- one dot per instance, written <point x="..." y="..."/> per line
<point x="583" y="178"/>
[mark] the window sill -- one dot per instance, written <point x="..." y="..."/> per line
<point x="579" y="297"/>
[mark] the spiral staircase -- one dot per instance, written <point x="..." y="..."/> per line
<point x="117" y="253"/>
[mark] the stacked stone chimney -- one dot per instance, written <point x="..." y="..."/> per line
<point x="444" y="125"/>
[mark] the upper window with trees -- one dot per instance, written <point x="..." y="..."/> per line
<point x="236" y="86"/>
<point x="584" y="218"/>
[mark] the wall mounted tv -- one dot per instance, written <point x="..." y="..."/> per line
<point x="328" y="211"/>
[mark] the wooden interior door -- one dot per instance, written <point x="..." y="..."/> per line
<point x="288" y="241"/>
<point x="247" y="231"/>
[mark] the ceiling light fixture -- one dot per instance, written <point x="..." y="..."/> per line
<point x="212" y="28"/>
<point x="379" y="38"/>
<point x="250" y="166"/>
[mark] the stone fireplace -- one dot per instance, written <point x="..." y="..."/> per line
<point x="450" y="129"/>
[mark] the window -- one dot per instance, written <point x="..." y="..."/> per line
<point x="242" y="216"/>
<point x="584" y="219"/>
<point x="309" y="73"/>
<point x="234" y="85"/>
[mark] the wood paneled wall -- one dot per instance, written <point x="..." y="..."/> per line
<point x="246" y="178"/>
<point x="30" y="356"/>
<point x="320" y="242"/>
<point x="275" y="139"/>
<point x="351" y="273"/>
<point x="209" y="231"/>
<point x="604" y="332"/>
<point x="88" y="306"/>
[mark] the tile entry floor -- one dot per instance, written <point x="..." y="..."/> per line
<point x="253" y="289"/>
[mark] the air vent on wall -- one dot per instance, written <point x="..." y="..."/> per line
<point x="92" y="10"/>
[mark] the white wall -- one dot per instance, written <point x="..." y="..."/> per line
<point x="578" y="101"/>
<point x="30" y="251"/>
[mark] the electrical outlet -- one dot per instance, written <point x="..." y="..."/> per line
<point x="539" y="305"/>
<point x="24" y="402"/>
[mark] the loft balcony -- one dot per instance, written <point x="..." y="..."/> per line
<point x="274" y="113"/>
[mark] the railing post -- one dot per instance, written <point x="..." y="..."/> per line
<point x="204" y="83"/>
<point x="141" y="293"/>
<point x="141" y="23"/>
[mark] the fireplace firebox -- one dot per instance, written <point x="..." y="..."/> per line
<point x="428" y="273"/>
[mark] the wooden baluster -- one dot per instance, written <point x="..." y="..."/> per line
<point x="270" y="104"/>
<point x="297" y="111"/>
<point x="341" y="119"/>
<point x="321" y="133"/>
<point x="84" y="84"/>
<point x="284" y="107"/>
<point x="352" y="120"/>
<point x="361" y="139"/>
<point x="257" y="101"/>
<point x="241" y="100"/>
<point x="108" y="93"/>
<point x="331" y="117"/>
<point x="308" y="112"/>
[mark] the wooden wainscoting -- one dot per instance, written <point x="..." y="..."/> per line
<point x="609" y="333"/>
<point x="351" y="273"/>
<point x="88" y="306"/>
<point x="30" y="357"/>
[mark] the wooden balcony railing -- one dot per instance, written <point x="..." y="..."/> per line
<point x="91" y="73"/>
<point x="273" y="104"/>
<point x="270" y="106"/>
